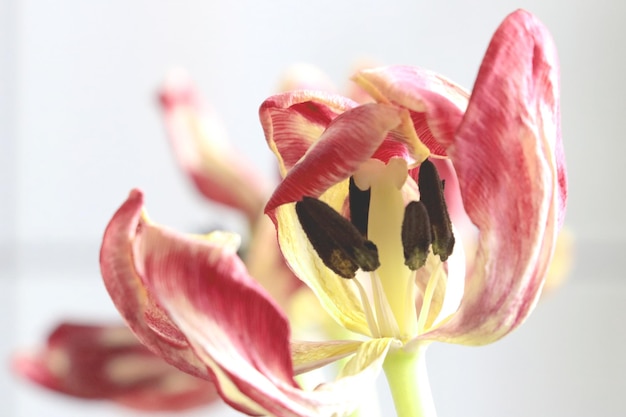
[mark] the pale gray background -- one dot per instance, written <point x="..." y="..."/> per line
<point x="79" y="127"/>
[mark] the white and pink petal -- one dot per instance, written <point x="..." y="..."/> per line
<point x="294" y="121"/>
<point x="516" y="196"/>
<point x="435" y="104"/>
<point x="244" y="338"/>
<point x="351" y="139"/>
<point x="122" y="272"/>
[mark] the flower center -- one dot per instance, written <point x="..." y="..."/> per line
<point x="388" y="241"/>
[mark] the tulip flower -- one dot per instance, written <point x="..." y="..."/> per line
<point x="361" y="218"/>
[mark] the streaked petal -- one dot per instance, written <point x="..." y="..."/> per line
<point x="307" y="356"/>
<point x="200" y="145"/>
<point x="293" y="121"/>
<point x="436" y="104"/>
<point x="109" y="362"/>
<point x="240" y="333"/>
<point x="516" y="196"/>
<point x="122" y="276"/>
<point x="349" y="140"/>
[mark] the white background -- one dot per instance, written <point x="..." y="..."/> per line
<point x="79" y="127"/>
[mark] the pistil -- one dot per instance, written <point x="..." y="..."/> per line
<point x="386" y="212"/>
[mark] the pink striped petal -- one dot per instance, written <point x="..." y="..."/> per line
<point x="123" y="279"/>
<point x="109" y="362"/>
<point x="294" y="121"/>
<point x="351" y="139"/>
<point x="512" y="177"/>
<point x="200" y="146"/>
<point x="242" y="335"/>
<point x="436" y="104"/>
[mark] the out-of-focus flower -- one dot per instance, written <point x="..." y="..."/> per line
<point x="109" y="363"/>
<point x="362" y="220"/>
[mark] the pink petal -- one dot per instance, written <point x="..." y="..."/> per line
<point x="108" y="362"/>
<point x="240" y="333"/>
<point x="200" y="146"/>
<point x="436" y="104"/>
<point x="127" y="290"/>
<point x="349" y="140"/>
<point x="512" y="177"/>
<point x="293" y="121"/>
<point x="245" y="336"/>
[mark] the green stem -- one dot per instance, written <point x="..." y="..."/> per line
<point x="408" y="382"/>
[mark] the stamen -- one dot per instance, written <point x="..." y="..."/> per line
<point x="428" y="298"/>
<point x="431" y="194"/>
<point x="359" y="206"/>
<point x="416" y="236"/>
<point x="410" y="294"/>
<point x="367" y="308"/>
<point x="386" y="321"/>
<point x="338" y="243"/>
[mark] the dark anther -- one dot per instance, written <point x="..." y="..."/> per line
<point x="338" y="243"/>
<point x="431" y="194"/>
<point x="359" y="207"/>
<point x="416" y="237"/>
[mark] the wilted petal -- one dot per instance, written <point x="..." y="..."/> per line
<point x="436" y="104"/>
<point x="109" y="362"/>
<point x="293" y="121"/>
<point x="516" y="195"/>
<point x="238" y="331"/>
<point x="351" y="139"/>
<point x="124" y="282"/>
<point x="307" y="356"/>
<point x="369" y="351"/>
<point x="200" y="145"/>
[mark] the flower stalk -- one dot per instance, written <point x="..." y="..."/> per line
<point x="408" y="382"/>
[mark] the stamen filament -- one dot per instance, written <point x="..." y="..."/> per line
<point x="386" y="320"/>
<point x="367" y="308"/>
<point x="428" y="297"/>
<point x="410" y="295"/>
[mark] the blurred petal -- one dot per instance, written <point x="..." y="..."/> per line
<point x="516" y="196"/>
<point x="200" y="145"/>
<point x="109" y="362"/>
<point x="266" y="264"/>
<point x="302" y="76"/>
